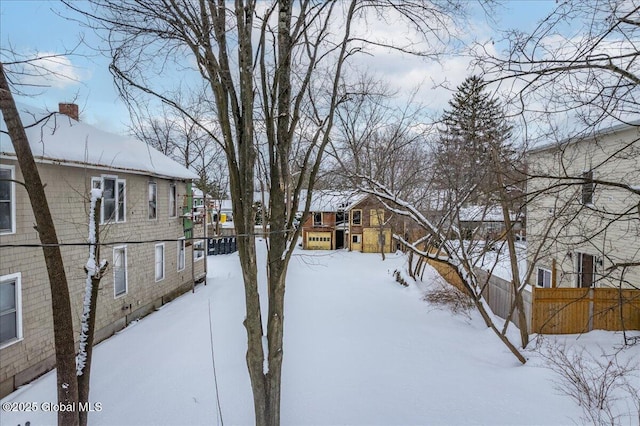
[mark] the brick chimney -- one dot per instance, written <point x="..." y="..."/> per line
<point x="70" y="110"/>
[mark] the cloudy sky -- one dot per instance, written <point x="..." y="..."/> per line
<point x="30" y="26"/>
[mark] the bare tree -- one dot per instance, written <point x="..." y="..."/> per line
<point x="579" y="68"/>
<point x="65" y="352"/>
<point x="279" y="64"/>
<point x="378" y="136"/>
<point x="178" y="137"/>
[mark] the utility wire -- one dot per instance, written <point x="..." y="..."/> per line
<point x="213" y="362"/>
<point x="112" y="243"/>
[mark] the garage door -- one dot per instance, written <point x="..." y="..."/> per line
<point x="319" y="240"/>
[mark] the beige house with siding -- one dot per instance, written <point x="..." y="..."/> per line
<point x="583" y="216"/>
<point x="148" y="236"/>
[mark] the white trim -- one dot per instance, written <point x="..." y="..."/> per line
<point x="173" y="212"/>
<point x="101" y="179"/>
<point x="12" y="207"/>
<point x="18" y="292"/>
<point x="155" y="193"/>
<point x="155" y="262"/>
<point x="126" y="272"/>
<point x="202" y="250"/>
<point x="578" y="268"/>
<point x="550" y="277"/>
<point x="181" y="244"/>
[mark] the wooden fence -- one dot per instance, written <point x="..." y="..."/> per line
<point x="578" y="310"/>
<point x="498" y="293"/>
<point x="558" y="310"/>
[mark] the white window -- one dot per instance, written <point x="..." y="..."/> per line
<point x="153" y="200"/>
<point x="10" y="309"/>
<point x="544" y="278"/>
<point x="356" y="238"/>
<point x="119" y="271"/>
<point x="173" y="197"/>
<point x="181" y="256"/>
<point x="113" y="198"/>
<point x="317" y="219"/>
<point x="159" y="265"/>
<point x="7" y="200"/>
<point x="588" y="187"/>
<point x="198" y="248"/>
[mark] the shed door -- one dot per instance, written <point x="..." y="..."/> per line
<point x="371" y="240"/>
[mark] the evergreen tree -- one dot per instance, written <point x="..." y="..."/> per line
<point x="472" y="127"/>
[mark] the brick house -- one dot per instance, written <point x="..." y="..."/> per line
<point x="346" y="219"/>
<point x="327" y="226"/>
<point x="371" y="226"/>
<point x="146" y="228"/>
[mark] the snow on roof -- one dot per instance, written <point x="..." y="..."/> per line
<point x="332" y="200"/>
<point x="62" y="140"/>
<point x="197" y="192"/>
<point x="483" y="214"/>
<point x="222" y="205"/>
<point x="618" y="128"/>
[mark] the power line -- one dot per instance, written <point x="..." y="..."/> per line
<point x="213" y="362"/>
<point x="153" y="241"/>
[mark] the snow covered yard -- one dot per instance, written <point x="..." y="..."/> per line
<point x="359" y="349"/>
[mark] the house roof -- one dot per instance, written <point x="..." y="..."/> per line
<point x="606" y="131"/>
<point x="483" y="214"/>
<point x="331" y="200"/>
<point x="59" y="139"/>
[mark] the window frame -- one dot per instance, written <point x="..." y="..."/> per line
<point x="12" y="200"/>
<point x="120" y="205"/>
<point x="17" y="278"/>
<point x="353" y="217"/>
<point x="199" y="248"/>
<point x="579" y="269"/>
<point x="316" y="222"/>
<point x="544" y="272"/>
<point x="587" y="188"/>
<point x="181" y="258"/>
<point x="162" y="262"/>
<point x="356" y="238"/>
<point x="126" y="272"/>
<point x="153" y="185"/>
<point x="173" y="200"/>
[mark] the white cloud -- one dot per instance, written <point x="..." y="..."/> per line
<point x="47" y="69"/>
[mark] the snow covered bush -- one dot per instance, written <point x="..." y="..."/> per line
<point x="399" y="279"/>
<point x="449" y="297"/>
<point x="604" y="386"/>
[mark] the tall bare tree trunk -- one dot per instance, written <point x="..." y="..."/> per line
<point x="67" y="386"/>
<point x="518" y="302"/>
<point x="85" y="377"/>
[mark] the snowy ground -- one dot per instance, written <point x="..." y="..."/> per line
<point x="359" y="349"/>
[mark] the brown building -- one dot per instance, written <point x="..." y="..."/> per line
<point x="345" y="219"/>
<point x="327" y="226"/>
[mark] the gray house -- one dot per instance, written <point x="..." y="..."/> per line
<point x="150" y="238"/>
